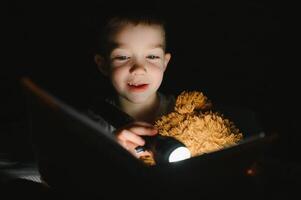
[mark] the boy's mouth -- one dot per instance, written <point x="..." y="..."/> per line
<point x="138" y="87"/>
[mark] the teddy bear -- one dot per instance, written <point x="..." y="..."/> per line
<point x="194" y="123"/>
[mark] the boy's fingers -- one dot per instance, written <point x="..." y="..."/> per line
<point x="129" y="146"/>
<point x="141" y="130"/>
<point x="127" y="135"/>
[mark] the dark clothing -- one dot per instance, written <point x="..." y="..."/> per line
<point x="166" y="105"/>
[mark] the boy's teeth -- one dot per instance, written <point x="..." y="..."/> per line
<point x="134" y="84"/>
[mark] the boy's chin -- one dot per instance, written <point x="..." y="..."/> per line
<point x="138" y="99"/>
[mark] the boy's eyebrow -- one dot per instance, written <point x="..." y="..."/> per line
<point x="152" y="46"/>
<point x="118" y="45"/>
<point x="157" y="46"/>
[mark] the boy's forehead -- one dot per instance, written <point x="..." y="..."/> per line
<point x="151" y="36"/>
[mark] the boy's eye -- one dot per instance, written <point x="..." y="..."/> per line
<point x="153" y="57"/>
<point x="121" y="58"/>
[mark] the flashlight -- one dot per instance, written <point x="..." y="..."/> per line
<point x="165" y="149"/>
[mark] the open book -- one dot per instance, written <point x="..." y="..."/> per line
<point x="76" y="154"/>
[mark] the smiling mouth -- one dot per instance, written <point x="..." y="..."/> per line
<point x="138" y="87"/>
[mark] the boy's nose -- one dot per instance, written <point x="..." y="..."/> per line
<point x="138" y="69"/>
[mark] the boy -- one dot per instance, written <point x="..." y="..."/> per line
<point x="133" y="57"/>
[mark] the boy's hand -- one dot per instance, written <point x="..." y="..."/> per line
<point x="130" y="136"/>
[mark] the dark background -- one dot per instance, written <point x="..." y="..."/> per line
<point x="235" y="52"/>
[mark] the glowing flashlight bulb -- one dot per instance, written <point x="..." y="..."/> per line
<point x="178" y="154"/>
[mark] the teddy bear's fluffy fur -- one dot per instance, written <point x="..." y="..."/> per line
<point x="194" y="123"/>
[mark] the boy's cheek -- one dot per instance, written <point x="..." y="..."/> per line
<point x="117" y="75"/>
<point x="115" y="64"/>
<point x="116" y="72"/>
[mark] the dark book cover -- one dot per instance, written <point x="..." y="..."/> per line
<point x="78" y="155"/>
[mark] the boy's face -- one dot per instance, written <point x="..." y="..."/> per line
<point x="138" y="61"/>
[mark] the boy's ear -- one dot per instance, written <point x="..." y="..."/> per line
<point x="167" y="57"/>
<point x="101" y="64"/>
